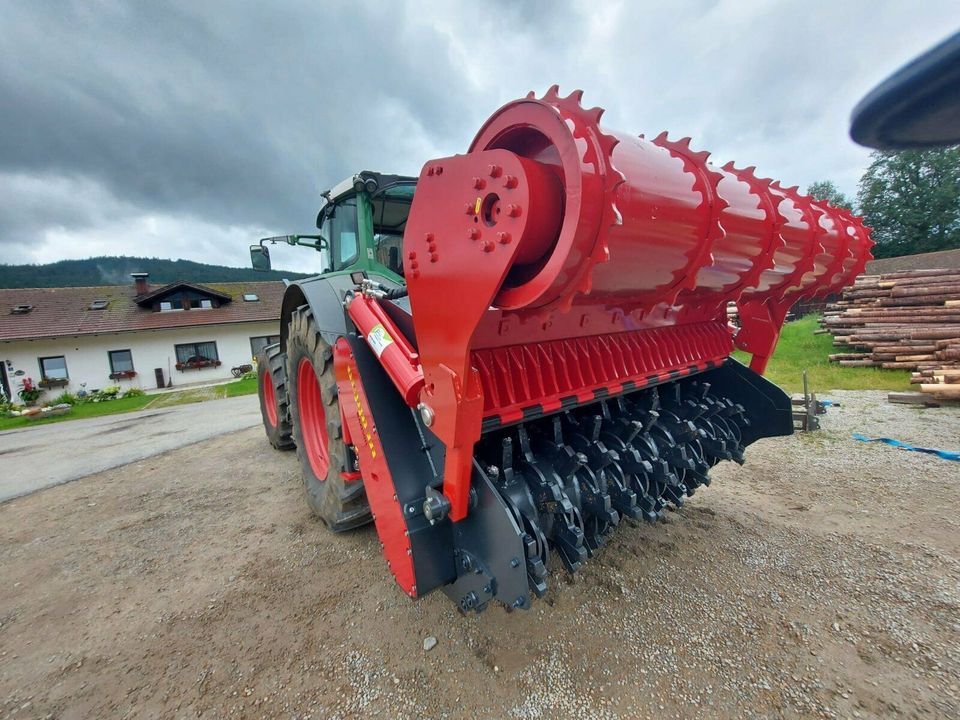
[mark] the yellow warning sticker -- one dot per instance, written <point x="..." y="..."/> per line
<point x="378" y="339"/>
<point x="476" y="207"/>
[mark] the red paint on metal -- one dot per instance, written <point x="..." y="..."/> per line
<point x="270" y="400"/>
<point x="543" y="374"/>
<point x="313" y="421"/>
<point x="395" y="352"/>
<point x="377" y="480"/>
<point x="601" y="237"/>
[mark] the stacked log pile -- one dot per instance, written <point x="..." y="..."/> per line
<point x="906" y="320"/>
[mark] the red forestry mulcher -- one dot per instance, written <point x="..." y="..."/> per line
<point x="529" y="342"/>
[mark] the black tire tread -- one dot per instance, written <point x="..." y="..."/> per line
<point x="341" y="505"/>
<point x="272" y="367"/>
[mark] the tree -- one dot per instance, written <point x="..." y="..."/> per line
<point x="911" y="199"/>
<point x="826" y="190"/>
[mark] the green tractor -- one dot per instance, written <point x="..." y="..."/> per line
<point x="361" y="224"/>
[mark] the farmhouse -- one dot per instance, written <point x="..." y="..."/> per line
<point x="138" y="335"/>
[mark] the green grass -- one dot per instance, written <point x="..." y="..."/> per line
<point x="799" y="349"/>
<point x="244" y="386"/>
<point x="81" y="410"/>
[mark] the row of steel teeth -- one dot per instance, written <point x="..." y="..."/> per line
<point x="568" y="479"/>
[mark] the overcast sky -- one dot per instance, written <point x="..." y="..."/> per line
<point x="190" y="129"/>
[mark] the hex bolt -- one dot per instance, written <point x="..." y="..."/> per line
<point x="412" y="255"/>
<point x="479" y="183"/>
<point x="434" y="257"/>
<point x="469" y="208"/>
<point x="488" y="246"/>
<point x="515" y="562"/>
<point x="439" y="170"/>
<point x="487" y="589"/>
<point x="430" y="171"/>
<point x="436" y="507"/>
<point x="414" y="265"/>
<point x="428" y="237"/>
<point x="474" y="233"/>
<point x="513" y="210"/>
<point x="510" y="182"/>
<point x="504" y="238"/>
<point x="426" y="414"/>
<point x="495" y="171"/>
<point x="518" y="603"/>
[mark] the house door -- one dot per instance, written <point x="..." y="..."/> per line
<point x="4" y="382"/>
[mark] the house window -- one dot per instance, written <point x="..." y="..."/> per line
<point x="53" y="368"/>
<point x="121" y="361"/>
<point x="259" y="343"/>
<point x="250" y="297"/>
<point x="196" y="352"/>
<point x="167" y="306"/>
<point x="206" y="304"/>
<point x="99" y="305"/>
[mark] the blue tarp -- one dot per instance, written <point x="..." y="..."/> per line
<point x="945" y="454"/>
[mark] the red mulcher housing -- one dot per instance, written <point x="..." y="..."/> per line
<point x="559" y="354"/>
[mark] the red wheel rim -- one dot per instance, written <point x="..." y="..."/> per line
<point x="269" y="399"/>
<point x="313" y="425"/>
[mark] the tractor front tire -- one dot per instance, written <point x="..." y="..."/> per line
<point x="325" y="459"/>
<point x="274" y="398"/>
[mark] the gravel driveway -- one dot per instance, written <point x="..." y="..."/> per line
<point x="822" y="579"/>
<point x="37" y="457"/>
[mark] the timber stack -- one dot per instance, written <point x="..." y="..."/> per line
<point x="907" y="320"/>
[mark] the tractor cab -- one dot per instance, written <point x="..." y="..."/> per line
<point x="361" y="226"/>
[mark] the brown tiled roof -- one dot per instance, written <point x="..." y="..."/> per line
<point x="59" y="312"/>
<point x="924" y="261"/>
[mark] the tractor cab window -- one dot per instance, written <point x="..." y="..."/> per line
<point x="390" y="210"/>
<point x="388" y="249"/>
<point x="340" y="230"/>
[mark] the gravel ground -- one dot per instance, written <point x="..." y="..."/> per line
<point x="822" y="579"/>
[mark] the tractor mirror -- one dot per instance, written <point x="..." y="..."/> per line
<point x="259" y="257"/>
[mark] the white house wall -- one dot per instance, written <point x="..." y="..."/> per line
<point x="88" y="360"/>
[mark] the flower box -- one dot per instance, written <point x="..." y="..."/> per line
<point x="123" y="375"/>
<point x="53" y="382"/>
<point x="197" y="364"/>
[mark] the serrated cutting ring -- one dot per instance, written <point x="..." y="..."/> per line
<point x="566" y="138"/>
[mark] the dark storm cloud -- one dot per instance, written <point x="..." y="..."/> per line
<point x="227" y="115"/>
<point x="190" y="126"/>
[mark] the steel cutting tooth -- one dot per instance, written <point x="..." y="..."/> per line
<point x="675" y="455"/>
<point x="583" y="434"/>
<point x="585" y="485"/>
<point x="560" y="519"/>
<point x="630" y="473"/>
<point x="661" y="474"/>
<point x="516" y="494"/>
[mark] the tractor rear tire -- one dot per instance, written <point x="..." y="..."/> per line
<point x="274" y="398"/>
<point x="325" y="459"/>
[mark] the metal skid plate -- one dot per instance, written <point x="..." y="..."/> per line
<point x="489" y="552"/>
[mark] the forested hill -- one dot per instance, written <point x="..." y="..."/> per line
<point x="115" y="270"/>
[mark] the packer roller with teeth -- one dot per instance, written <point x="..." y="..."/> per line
<point x="510" y="355"/>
